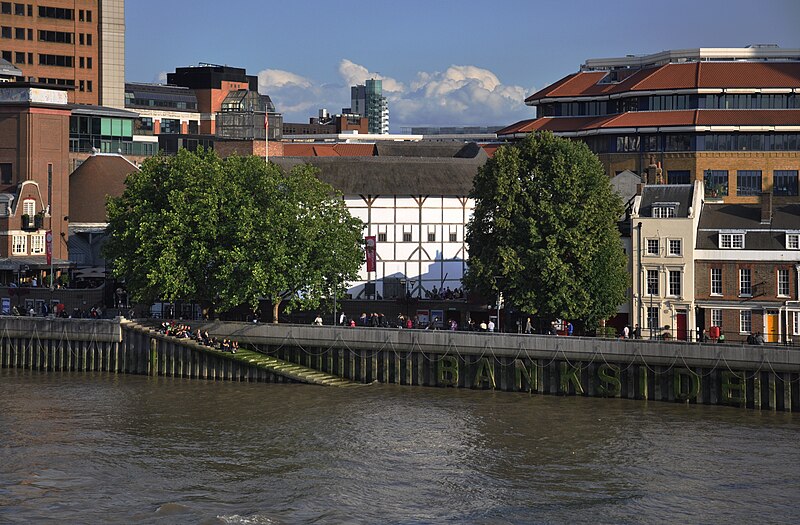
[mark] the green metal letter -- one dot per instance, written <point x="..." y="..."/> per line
<point x="609" y="375"/>
<point x="694" y="385"/>
<point x="734" y="393"/>
<point x="448" y="371"/>
<point x="531" y="375"/>
<point x="570" y="375"/>
<point x="485" y="373"/>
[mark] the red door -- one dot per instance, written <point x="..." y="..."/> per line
<point x="681" y="320"/>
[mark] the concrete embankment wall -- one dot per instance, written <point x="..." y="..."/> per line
<point x="113" y="346"/>
<point x="761" y="377"/>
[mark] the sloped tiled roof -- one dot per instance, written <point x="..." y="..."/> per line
<point x="655" y="193"/>
<point x="691" y="75"/>
<point x="747" y="217"/>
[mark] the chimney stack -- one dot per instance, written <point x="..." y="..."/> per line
<point x="766" y="207"/>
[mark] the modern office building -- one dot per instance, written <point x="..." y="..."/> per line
<point x="76" y="43"/>
<point x="727" y="116"/>
<point x="368" y="101"/>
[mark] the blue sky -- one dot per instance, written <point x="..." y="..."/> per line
<point x="444" y="62"/>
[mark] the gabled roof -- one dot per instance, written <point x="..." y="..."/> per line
<point x="99" y="176"/>
<point x="691" y="75"/>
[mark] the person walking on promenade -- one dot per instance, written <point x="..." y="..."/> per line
<point x="490" y="326"/>
<point x="570" y="328"/>
<point x="528" y="326"/>
<point x="626" y="332"/>
<point x="637" y="331"/>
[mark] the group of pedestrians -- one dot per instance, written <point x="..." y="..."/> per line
<point x="184" y="331"/>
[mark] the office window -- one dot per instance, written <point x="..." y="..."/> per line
<point x="733" y="241"/>
<point x="37" y="244"/>
<point x="745" y="321"/>
<point x="80" y="62"/>
<point x="30" y="34"/>
<point x="80" y="15"/>
<point x="19" y="58"/>
<point x="170" y="125"/>
<point x="716" y="317"/>
<point x="88" y="16"/>
<point x="5" y="32"/>
<point x="80" y="38"/>
<point x="6" y="56"/>
<point x="20" y="245"/>
<point x="793" y="241"/>
<point x="5" y="173"/>
<point x="81" y="85"/>
<point x="783" y="283"/>
<point x="88" y="39"/>
<point x="19" y="9"/>
<point x="5" y="8"/>
<point x="652" y="317"/>
<point x="745" y="282"/>
<point x="748" y="182"/>
<point x="652" y="282"/>
<point x="56" y="12"/>
<point x="716" y="281"/>
<point x="678" y="177"/>
<point x="675" y="283"/>
<point x="88" y="62"/>
<point x="716" y="183"/>
<point x="19" y="33"/>
<point x="30" y="10"/>
<point x="652" y="246"/>
<point x="89" y="86"/>
<point x="675" y="247"/>
<point x="784" y="183"/>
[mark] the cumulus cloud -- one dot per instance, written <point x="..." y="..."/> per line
<point x="462" y="95"/>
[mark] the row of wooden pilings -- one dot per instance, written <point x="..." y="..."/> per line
<point x="757" y="378"/>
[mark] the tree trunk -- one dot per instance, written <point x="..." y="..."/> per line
<point x="275" y="307"/>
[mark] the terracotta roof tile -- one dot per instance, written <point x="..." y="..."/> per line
<point x="749" y="117"/>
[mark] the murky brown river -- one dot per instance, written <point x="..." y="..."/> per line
<point x="100" y="448"/>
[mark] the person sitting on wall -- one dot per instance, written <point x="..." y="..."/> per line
<point x="751" y="339"/>
<point x="318" y="320"/>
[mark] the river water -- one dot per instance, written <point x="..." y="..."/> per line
<point x="103" y="448"/>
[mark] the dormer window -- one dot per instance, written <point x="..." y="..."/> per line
<point x="664" y="210"/>
<point x="793" y="240"/>
<point x="731" y="240"/>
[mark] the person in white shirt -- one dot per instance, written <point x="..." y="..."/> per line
<point x="491" y="326"/>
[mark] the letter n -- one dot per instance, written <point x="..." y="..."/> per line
<point x="609" y="377"/>
<point x="569" y="374"/>
<point x="484" y="373"/>
<point x="531" y="375"/>
<point x="734" y="389"/>
<point x="448" y="371"/>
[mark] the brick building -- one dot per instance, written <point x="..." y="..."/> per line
<point x="729" y="117"/>
<point x="75" y="43"/>
<point x="747" y="264"/>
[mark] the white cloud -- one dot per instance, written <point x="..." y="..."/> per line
<point x="462" y="95"/>
<point x="161" y="78"/>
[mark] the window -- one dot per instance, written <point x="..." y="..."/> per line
<point x="662" y="211"/>
<point x="19" y="33"/>
<point x="80" y="15"/>
<point x="406" y="236"/>
<point x="652" y="316"/>
<point x="652" y="246"/>
<point x="89" y="86"/>
<point x="678" y="177"/>
<point x="7" y="56"/>
<point x="716" y="183"/>
<point x="675" y="283"/>
<point x="783" y="283"/>
<point x="80" y="62"/>
<point x="5" y="32"/>
<point x="431" y="236"/>
<point x="19" y="58"/>
<point x="745" y="282"/>
<point x="81" y="85"/>
<point x="716" y="317"/>
<point x="453" y="237"/>
<point x="19" y="9"/>
<point x="784" y="183"/>
<point x="748" y="182"/>
<point x="731" y="241"/>
<point x="37" y="244"/>
<point x="20" y="245"/>
<point x="88" y="62"/>
<point x="716" y="281"/>
<point x="793" y="241"/>
<point x="381" y="236"/>
<point x="745" y="321"/>
<point x="88" y="16"/>
<point x="675" y="247"/>
<point x="797" y="323"/>
<point x="5" y="173"/>
<point x="170" y="125"/>
<point x="652" y="282"/>
<point x="88" y="39"/>
<point x="5" y="8"/>
<point x="29" y="207"/>
<point x="80" y="39"/>
<point x="56" y="12"/>
<point x="56" y="60"/>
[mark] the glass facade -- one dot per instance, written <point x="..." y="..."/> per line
<point x="104" y="134"/>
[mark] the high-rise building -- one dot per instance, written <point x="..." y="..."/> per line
<point x="76" y="43"/>
<point x="368" y="101"/>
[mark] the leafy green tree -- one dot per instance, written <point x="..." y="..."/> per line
<point x="544" y="230"/>
<point x="231" y="232"/>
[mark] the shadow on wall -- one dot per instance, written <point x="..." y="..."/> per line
<point x="439" y="274"/>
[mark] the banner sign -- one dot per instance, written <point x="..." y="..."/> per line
<point x="370" y="243"/>
<point x="48" y="240"/>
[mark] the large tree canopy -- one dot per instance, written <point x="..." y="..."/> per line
<point x="544" y="231"/>
<point x="231" y="232"/>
